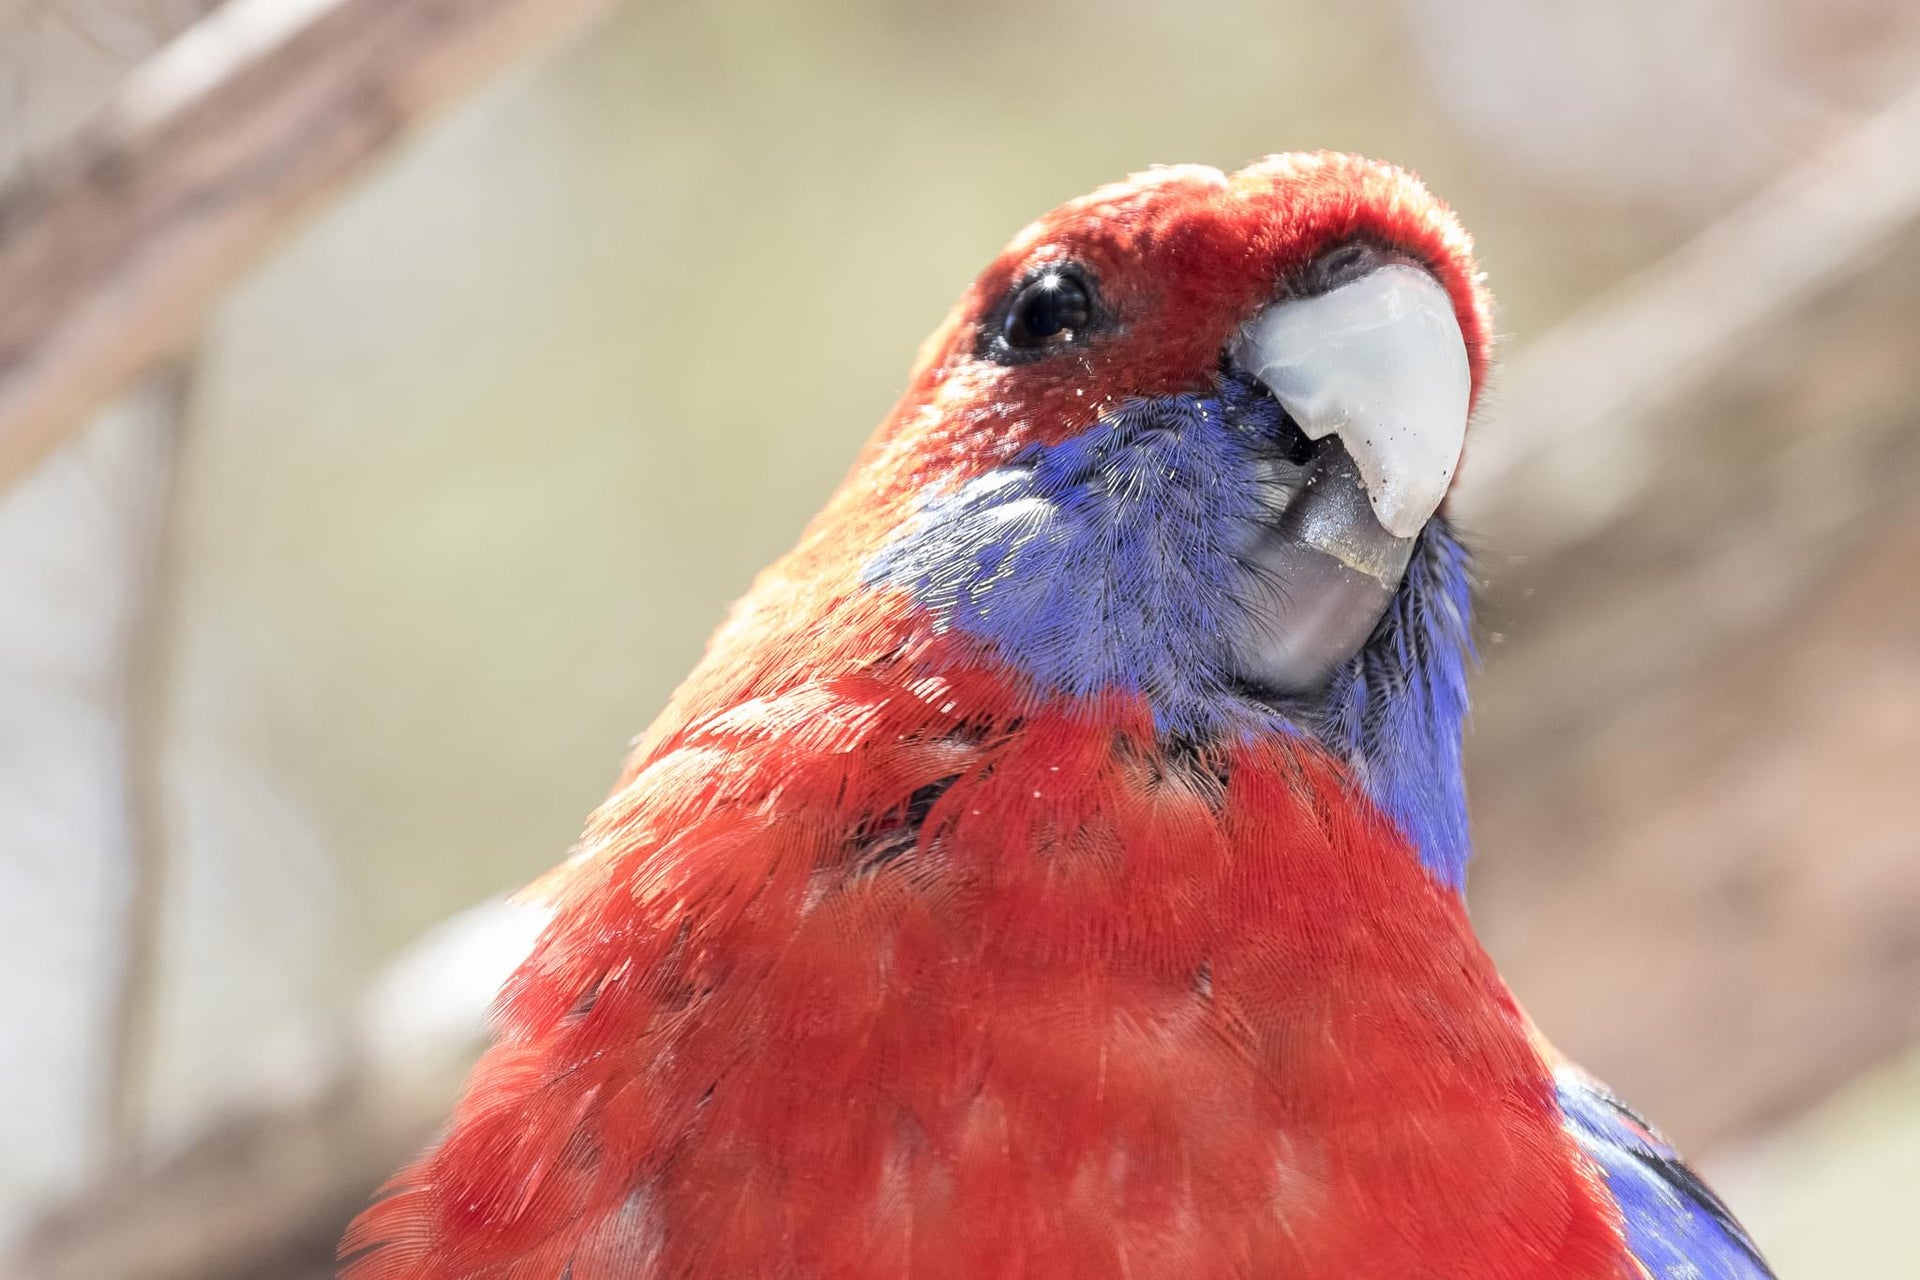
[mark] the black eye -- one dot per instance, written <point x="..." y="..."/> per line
<point x="1048" y="309"/>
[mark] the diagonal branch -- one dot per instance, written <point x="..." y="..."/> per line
<point x="1570" y="439"/>
<point x="149" y="648"/>
<point x="110" y="260"/>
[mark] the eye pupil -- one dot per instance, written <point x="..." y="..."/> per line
<point x="1050" y="308"/>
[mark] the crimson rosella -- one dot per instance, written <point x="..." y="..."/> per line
<point x="1054" y="867"/>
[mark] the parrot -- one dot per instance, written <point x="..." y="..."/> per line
<point x="1055" y="865"/>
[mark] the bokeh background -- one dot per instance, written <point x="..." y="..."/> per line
<point x="329" y="632"/>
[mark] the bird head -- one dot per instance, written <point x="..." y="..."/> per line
<point x="1180" y="451"/>
<point x="1275" y="366"/>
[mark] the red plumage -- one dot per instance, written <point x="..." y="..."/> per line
<point x="879" y="961"/>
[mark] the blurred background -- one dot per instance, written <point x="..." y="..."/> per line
<point x="392" y="396"/>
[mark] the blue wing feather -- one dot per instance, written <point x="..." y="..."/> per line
<point x="1676" y="1227"/>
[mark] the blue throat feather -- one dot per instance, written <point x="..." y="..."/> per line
<point x="1111" y="562"/>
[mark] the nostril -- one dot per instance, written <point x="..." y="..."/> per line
<point x="1341" y="265"/>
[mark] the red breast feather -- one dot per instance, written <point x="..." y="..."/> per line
<point x="1105" y="1013"/>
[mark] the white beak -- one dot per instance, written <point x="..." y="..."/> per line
<point x="1382" y="363"/>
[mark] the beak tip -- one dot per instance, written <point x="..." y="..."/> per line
<point x="1401" y="513"/>
<point x="1381" y="363"/>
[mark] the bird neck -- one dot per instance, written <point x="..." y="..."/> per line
<point x="1396" y="713"/>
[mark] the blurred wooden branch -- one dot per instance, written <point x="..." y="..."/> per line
<point x="261" y="1197"/>
<point x="264" y="1194"/>
<point x="111" y="258"/>
<point x="141" y="893"/>
<point x="1707" y="891"/>
<point x="1692" y="768"/>
<point x="1570" y="436"/>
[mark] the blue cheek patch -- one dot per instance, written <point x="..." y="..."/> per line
<point x="1110" y="562"/>
<point x="1102" y="563"/>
